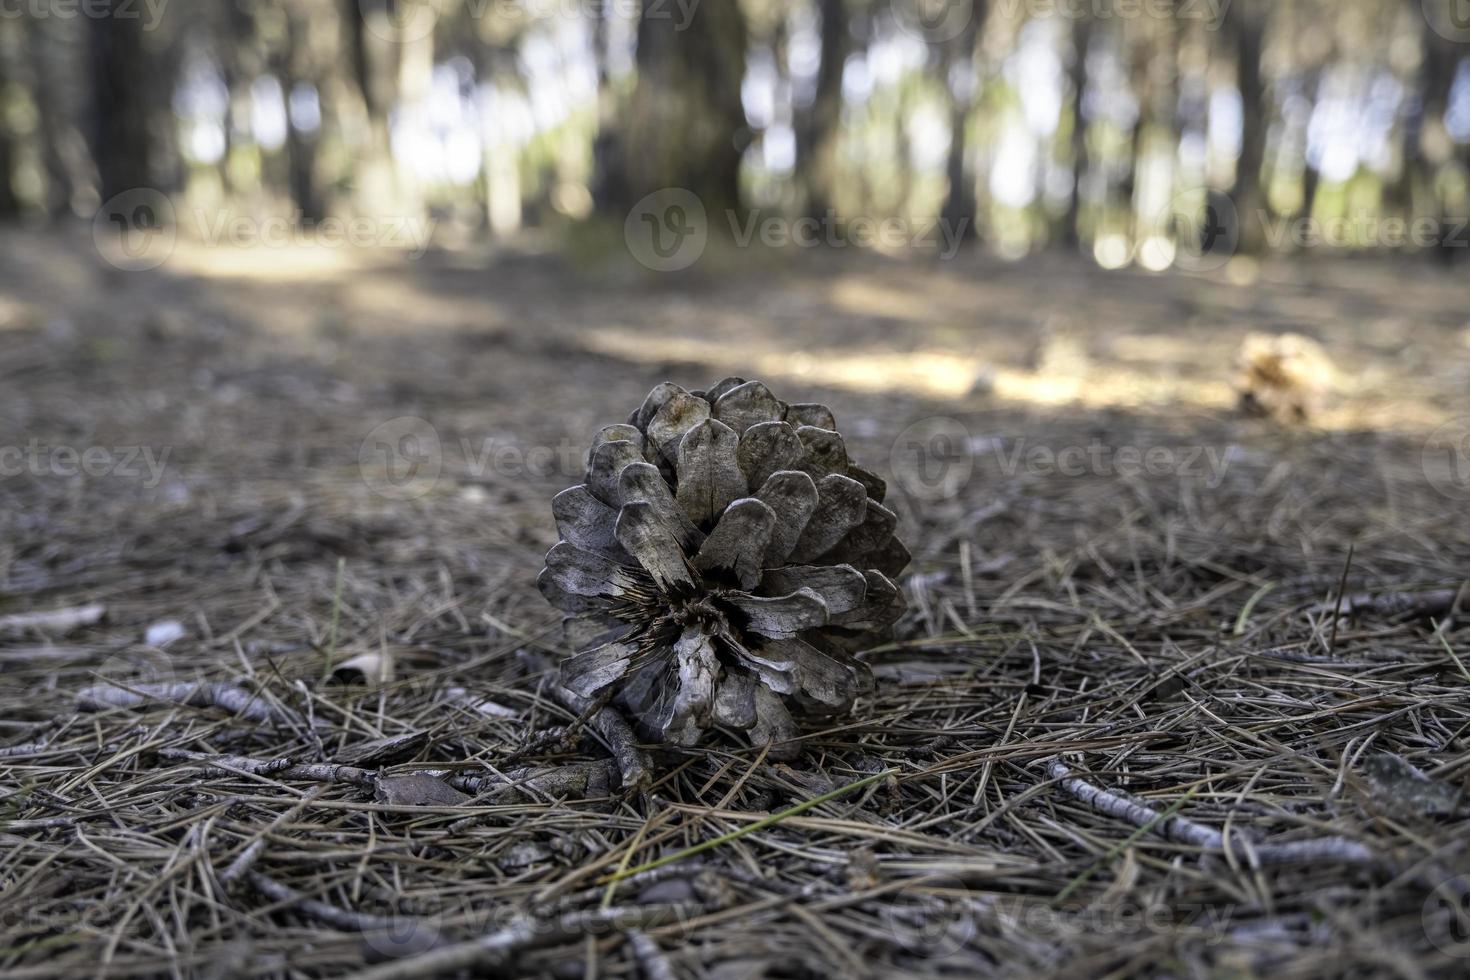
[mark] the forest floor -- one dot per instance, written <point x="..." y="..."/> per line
<point x="296" y="501"/>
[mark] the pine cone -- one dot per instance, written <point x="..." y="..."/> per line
<point x="721" y="564"/>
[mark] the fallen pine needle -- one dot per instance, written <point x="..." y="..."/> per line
<point x="750" y="828"/>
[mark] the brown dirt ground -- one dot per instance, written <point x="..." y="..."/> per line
<point x="1159" y="633"/>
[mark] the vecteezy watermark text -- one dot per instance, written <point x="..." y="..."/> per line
<point x="143" y="463"/>
<point x="150" y="12"/>
<point x="934" y="458"/>
<point x="668" y="230"/>
<point x="404" y="457"/>
<point x="138" y="230"/>
<point x="1364" y="229"/>
<point x="775" y="231"/>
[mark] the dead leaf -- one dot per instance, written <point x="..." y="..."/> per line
<point x="418" y="790"/>
<point x="365" y="668"/>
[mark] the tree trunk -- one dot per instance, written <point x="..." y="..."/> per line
<point x="1246" y="21"/>
<point x="1435" y="147"/>
<point x="1077" y="78"/>
<point x="1157" y="90"/>
<point x="817" y="127"/>
<point x="686" y="124"/>
<point x="958" y="211"/>
<point x="609" y="179"/>
<point x="9" y="203"/>
<point x="296" y="69"/>
<point x="120" y="140"/>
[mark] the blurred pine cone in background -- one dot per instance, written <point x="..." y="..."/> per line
<point x="1286" y="377"/>
<point x="721" y="565"/>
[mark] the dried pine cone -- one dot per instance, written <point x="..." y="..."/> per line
<point x="1286" y="377"/>
<point x="721" y="564"/>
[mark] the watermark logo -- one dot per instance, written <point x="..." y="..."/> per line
<point x="931" y="459"/>
<point x="135" y="230"/>
<point x="1446" y="917"/>
<point x="667" y="230"/>
<point x="401" y="459"/>
<point x="397" y="936"/>
<point x="135" y="668"/>
<point x="1450" y="19"/>
<point x="933" y="21"/>
<point x="1445" y="458"/>
<point x="399" y="21"/>
<point x="1205" y="235"/>
<point x="935" y="915"/>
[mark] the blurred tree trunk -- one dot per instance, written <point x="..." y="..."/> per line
<point x="902" y="182"/>
<point x="1155" y="66"/>
<point x="1245" y="24"/>
<point x="1311" y="175"/>
<point x="685" y="126"/>
<point x="121" y="108"/>
<point x="1077" y="79"/>
<point x="44" y="50"/>
<point x="962" y="79"/>
<point x="9" y="203"/>
<point x="295" y="69"/>
<point x="818" y="125"/>
<point x="1436" y="149"/>
<point x="234" y="40"/>
<point x="354" y="30"/>
<point x="373" y="57"/>
<point x="609" y="178"/>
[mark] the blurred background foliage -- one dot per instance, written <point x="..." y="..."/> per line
<point x="1091" y="125"/>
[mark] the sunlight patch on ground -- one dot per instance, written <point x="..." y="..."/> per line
<point x="932" y="373"/>
<point x="286" y="263"/>
<point x="1156" y="381"/>
<point x="15" y="315"/>
<point x="929" y="373"/>
<point x="864" y="297"/>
